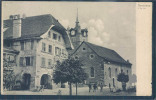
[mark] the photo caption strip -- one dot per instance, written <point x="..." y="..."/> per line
<point x="144" y="48"/>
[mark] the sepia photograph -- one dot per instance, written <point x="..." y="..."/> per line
<point x="69" y="48"/>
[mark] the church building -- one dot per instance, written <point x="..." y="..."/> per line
<point x="100" y="63"/>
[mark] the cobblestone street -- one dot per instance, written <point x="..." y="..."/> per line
<point x="65" y="91"/>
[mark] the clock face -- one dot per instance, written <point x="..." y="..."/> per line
<point x="72" y="32"/>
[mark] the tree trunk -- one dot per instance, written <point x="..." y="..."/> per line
<point x="70" y="89"/>
<point x="76" y="88"/>
<point x="124" y="86"/>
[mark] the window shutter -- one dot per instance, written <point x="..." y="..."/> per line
<point x="32" y="58"/>
<point x="24" y="61"/>
<point x="21" y="61"/>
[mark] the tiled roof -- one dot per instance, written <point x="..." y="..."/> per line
<point x="33" y="26"/>
<point x="106" y="53"/>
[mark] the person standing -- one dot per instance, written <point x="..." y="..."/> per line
<point x="94" y="86"/>
<point x="90" y="87"/>
<point x="101" y="86"/>
<point x="109" y="87"/>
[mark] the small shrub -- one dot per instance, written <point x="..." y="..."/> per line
<point x="131" y="89"/>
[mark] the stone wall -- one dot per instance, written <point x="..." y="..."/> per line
<point x="113" y="67"/>
<point x="101" y="67"/>
<point x="88" y="62"/>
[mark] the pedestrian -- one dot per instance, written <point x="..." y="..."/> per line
<point x="59" y="92"/>
<point x="109" y="87"/>
<point x="90" y="87"/>
<point x="101" y="86"/>
<point x="94" y="86"/>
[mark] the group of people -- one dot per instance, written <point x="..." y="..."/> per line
<point x="95" y="87"/>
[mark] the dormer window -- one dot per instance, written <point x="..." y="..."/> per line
<point x="54" y="36"/>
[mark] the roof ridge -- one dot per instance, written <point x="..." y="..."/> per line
<point x="99" y="46"/>
<point x="93" y="46"/>
<point x="38" y="15"/>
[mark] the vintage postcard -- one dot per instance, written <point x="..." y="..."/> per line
<point x="76" y="48"/>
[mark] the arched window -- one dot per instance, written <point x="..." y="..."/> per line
<point x="92" y="72"/>
<point x="113" y="83"/>
<point x="109" y="70"/>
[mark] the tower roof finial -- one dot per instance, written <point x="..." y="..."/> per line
<point x="77" y="20"/>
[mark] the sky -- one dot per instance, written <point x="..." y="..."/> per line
<point x="110" y="24"/>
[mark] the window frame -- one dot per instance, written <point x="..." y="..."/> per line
<point x="21" y="62"/>
<point x="43" y="47"/>
<point x="43" y="65"/>
<point x="28" y="61"/>
<point x="54" y="36"/>
<point x="109" y="70"/>
<point x="92" y="70"/>
<point x="22" y="46"/>
<point x="50" y="50"/>
<point x="59" y="38"/>
<point x="57" y="51"/>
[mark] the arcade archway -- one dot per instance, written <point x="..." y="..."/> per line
<point x="46" y="81"/>
<point x="26" y="81"/>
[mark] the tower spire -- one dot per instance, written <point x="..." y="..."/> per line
<point x="77" y="20"/>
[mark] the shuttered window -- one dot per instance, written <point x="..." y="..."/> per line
<point x="43" y="47"/>
<point x="57" y="51"/>
<point x="26" y="61"/>
<point x="21" y="61"/>
<point x="50" y="48"/>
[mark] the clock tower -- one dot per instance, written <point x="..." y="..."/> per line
<point x="77" y="34"/>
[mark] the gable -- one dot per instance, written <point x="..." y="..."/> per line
<point x="105" y="53"/>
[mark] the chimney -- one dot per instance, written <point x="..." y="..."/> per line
<point x="16" y="25"/>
